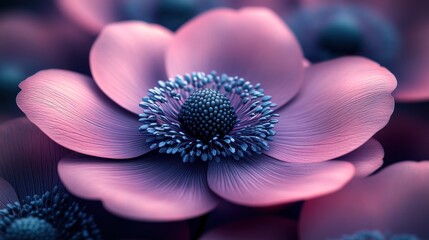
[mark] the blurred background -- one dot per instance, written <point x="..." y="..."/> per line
<point x="43" y="34"/>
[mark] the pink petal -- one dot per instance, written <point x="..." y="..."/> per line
<point x="7" y="194"/>
<point x="28" y="158"/>
<point x="253" y="229"/>
<point x="71" y="110"/>
<point x="394" y="201"/>
<point x="92" y="15"/>
<point x="343" y="103"/>
<point x="154" y="187"/>
<point x="366" y="159"/>
<point x="262" y="180"/>
<point x="306" y="63"/>
<point x="252" y="43"/>
<point x="127" y="60"/>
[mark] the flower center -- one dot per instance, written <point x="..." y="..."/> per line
<point x="30" y="228"/>
<point x="207" y="113"/>
<point x="342" y="37"/>
<point x="208" y="117"/>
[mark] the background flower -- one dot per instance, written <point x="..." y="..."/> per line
<point x="394" y="33"/>
<point x="392" y="202"/>
<point x="32" y="199"/>
<point x="28" y="167"/>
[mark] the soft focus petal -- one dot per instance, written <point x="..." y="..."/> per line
<point x="72" y="111"/>
<point x="28" y="158"/>
<point x="273" y="228"/>
<point x="366" y="159"/>
<point x="280" y="6"/>
<point x="392" y="201"/>
<point x="306" y="63"/>
<point x="154" y="187"/>
<point x="92" y="15"/>
<point x="252" y="43"/>
<point x="26" y="38"/>
<point x="7" y="194"/>
<point x="413" y="82"/>
<point x="128" y="59"/>
<point x="262" y="180"/>
<point x="344" y="102"/>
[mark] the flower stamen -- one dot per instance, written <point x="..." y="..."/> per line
<point x="173" y="123"/>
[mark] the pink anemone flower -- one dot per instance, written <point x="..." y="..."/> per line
<point x="392" y="202"/>
<point x="209" y="126"/>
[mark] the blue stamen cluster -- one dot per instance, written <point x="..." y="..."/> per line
<point x="207" y="113"/>
<point x="52" y="215"/>
<point x="171" y="117"/>
<point x="30" y="228"/>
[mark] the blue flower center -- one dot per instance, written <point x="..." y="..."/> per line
<point x="207" y="113"/>
<point x="341" y="37"/>
<point x="208" y="117"/>
<point x="30" y="228"/>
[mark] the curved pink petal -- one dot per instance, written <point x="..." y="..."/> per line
<point x="71" y="110"/>
<point x="366" y="159"/>
<point x="127" y="59"/>
<point x="7" y="194"/>
<point x="92" y="15"/>
<point x="262" y="180"/>
<point x="252" y="43"/>
<point x="273" y="228"/>
<point x="154" y="187"/>
<point x="394" y="201"/>
<point x="28" y="158"/>
<point x="343" y="103"/>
